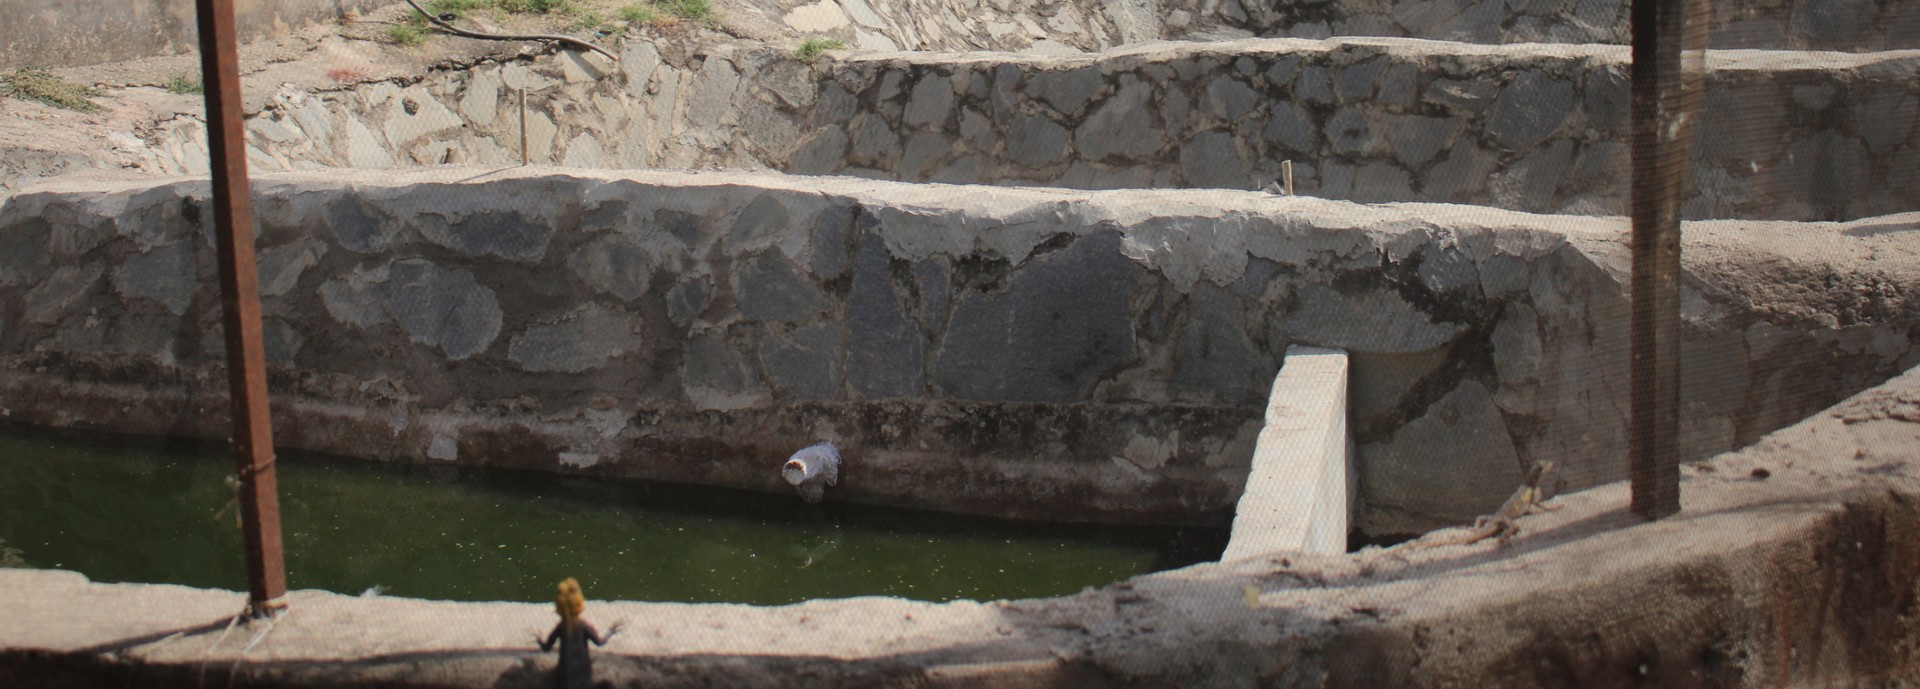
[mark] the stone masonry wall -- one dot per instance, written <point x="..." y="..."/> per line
<point x="1797" y="136"/>
<point x="1841" y="25"/>
<point x="1020" y="352"/>
<point x="1061" y="26"/>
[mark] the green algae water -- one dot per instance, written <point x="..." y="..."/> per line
<point x="152" y="511"/>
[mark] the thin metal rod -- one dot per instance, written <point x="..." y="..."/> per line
<point x="523" y="125"/>
<point x="1669" y="52"/>
<point x="240" y="289"/>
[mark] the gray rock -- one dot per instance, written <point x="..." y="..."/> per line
<point x="763" y="218"/>
<point x="1608" y="95"/>
<point x="1354" y="83"/>
<point x="442" y="308"/>
<point x="832" y="232"/>
<point x="1416" y="139"/>
<point x="279" y="341"/>
<point x="1378" y="383"/>
<point x="1381" y="183"/>
<point x="1470" y="96"/>
<point x="1005" y="94"/>
<point x="1335" y="180"/>
<point x="1282" y="72"/>
<point x="1455" y="462"/>
<point x="684" y="226"/>
<point x="771" y="288"/>
<point x="1602" y="165"/>
<point x="1529" y="184"/>
<point x="1834" y="24"/>
<point x="806" y="364"/>
<point x="1315" y="85"/>
<point x="688" y="298"/>
<point x="976" y="130"/>
<point x="1813" y="96"/>
<point x="1211" y="160"/>
<point x="1349" y="132"/>
<point x="580" y="341"/>
<point x="931" y="280"/>
<point x="60" y="292"/>
<point x="1175" y="108"/>
<point x="23" y="251"/>
<point x="825" y="151"/>
<point x="1228" y="98"/>
<point x="354" y="300"/>
<point x="717" y="376"/>
<point x="1503" y="275"/>
<point x="1371" y="321"/>
<point x="1830" y="167"/>
<point x="925" y="150"/>
<point x="164" y="274"/>
<point x="1447" y="269"/>
<point x="1061" y="326"/>
<point x="282" y="266"/>
<point x="359" y="228"/>
<point x="1215" y="356"/>
<point x="1517" y="355"/>
<point x="1289" y="128"/>
<point x="480" y="103"/>
<point x="616" y="265"/>
<point x="886" y="353"/>
<point x="930" y="103"/>
<point x="963" y="170"/>
<point x="874" y="143"/>
<point x="1884" y="118"/>
<point x="1065" y="90"/>
<point x="1462" y="175"/>
<point x="1420" y="15"/>
<point x="506" y="234"/>
<point x="1529" y="110"/>
<point x="1122" y="126"/>
<point x="1035" y="141"/>
<point x="1397" y="89"/>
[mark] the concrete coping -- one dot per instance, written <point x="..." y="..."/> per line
<point x="1299" y="493"/>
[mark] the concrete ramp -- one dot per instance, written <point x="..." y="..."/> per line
<point x="1299" y="493"/>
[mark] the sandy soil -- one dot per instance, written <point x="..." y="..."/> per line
<point x="43" y="141"/>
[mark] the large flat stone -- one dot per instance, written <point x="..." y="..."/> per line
<point x="886" y="352"/>
<point x="444" y="308"/>
<point x="580" y="341"/>
<point x="164" y="274"/>
<point x="771" y="288"/>
<point x="1060" y="327"/>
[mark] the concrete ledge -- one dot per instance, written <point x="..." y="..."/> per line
<point x="1298" y="495"/>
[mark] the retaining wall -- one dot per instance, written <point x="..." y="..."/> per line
<point x="1020" y="352"/>
<point x="1058" y="26"/>
<point x="1799" y="136"/>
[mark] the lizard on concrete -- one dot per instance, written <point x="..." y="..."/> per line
<point x="1525" y="500"/>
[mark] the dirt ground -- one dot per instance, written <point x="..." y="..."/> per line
<point x="38" y="140"/>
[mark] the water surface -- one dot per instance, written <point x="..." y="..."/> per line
<point x="127" y="510"/>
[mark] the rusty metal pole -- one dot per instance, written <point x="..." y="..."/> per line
<point x="240" y="287"/>
<point x="1669" y="67"/>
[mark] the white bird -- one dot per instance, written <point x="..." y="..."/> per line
<point x="812" y="469"/>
